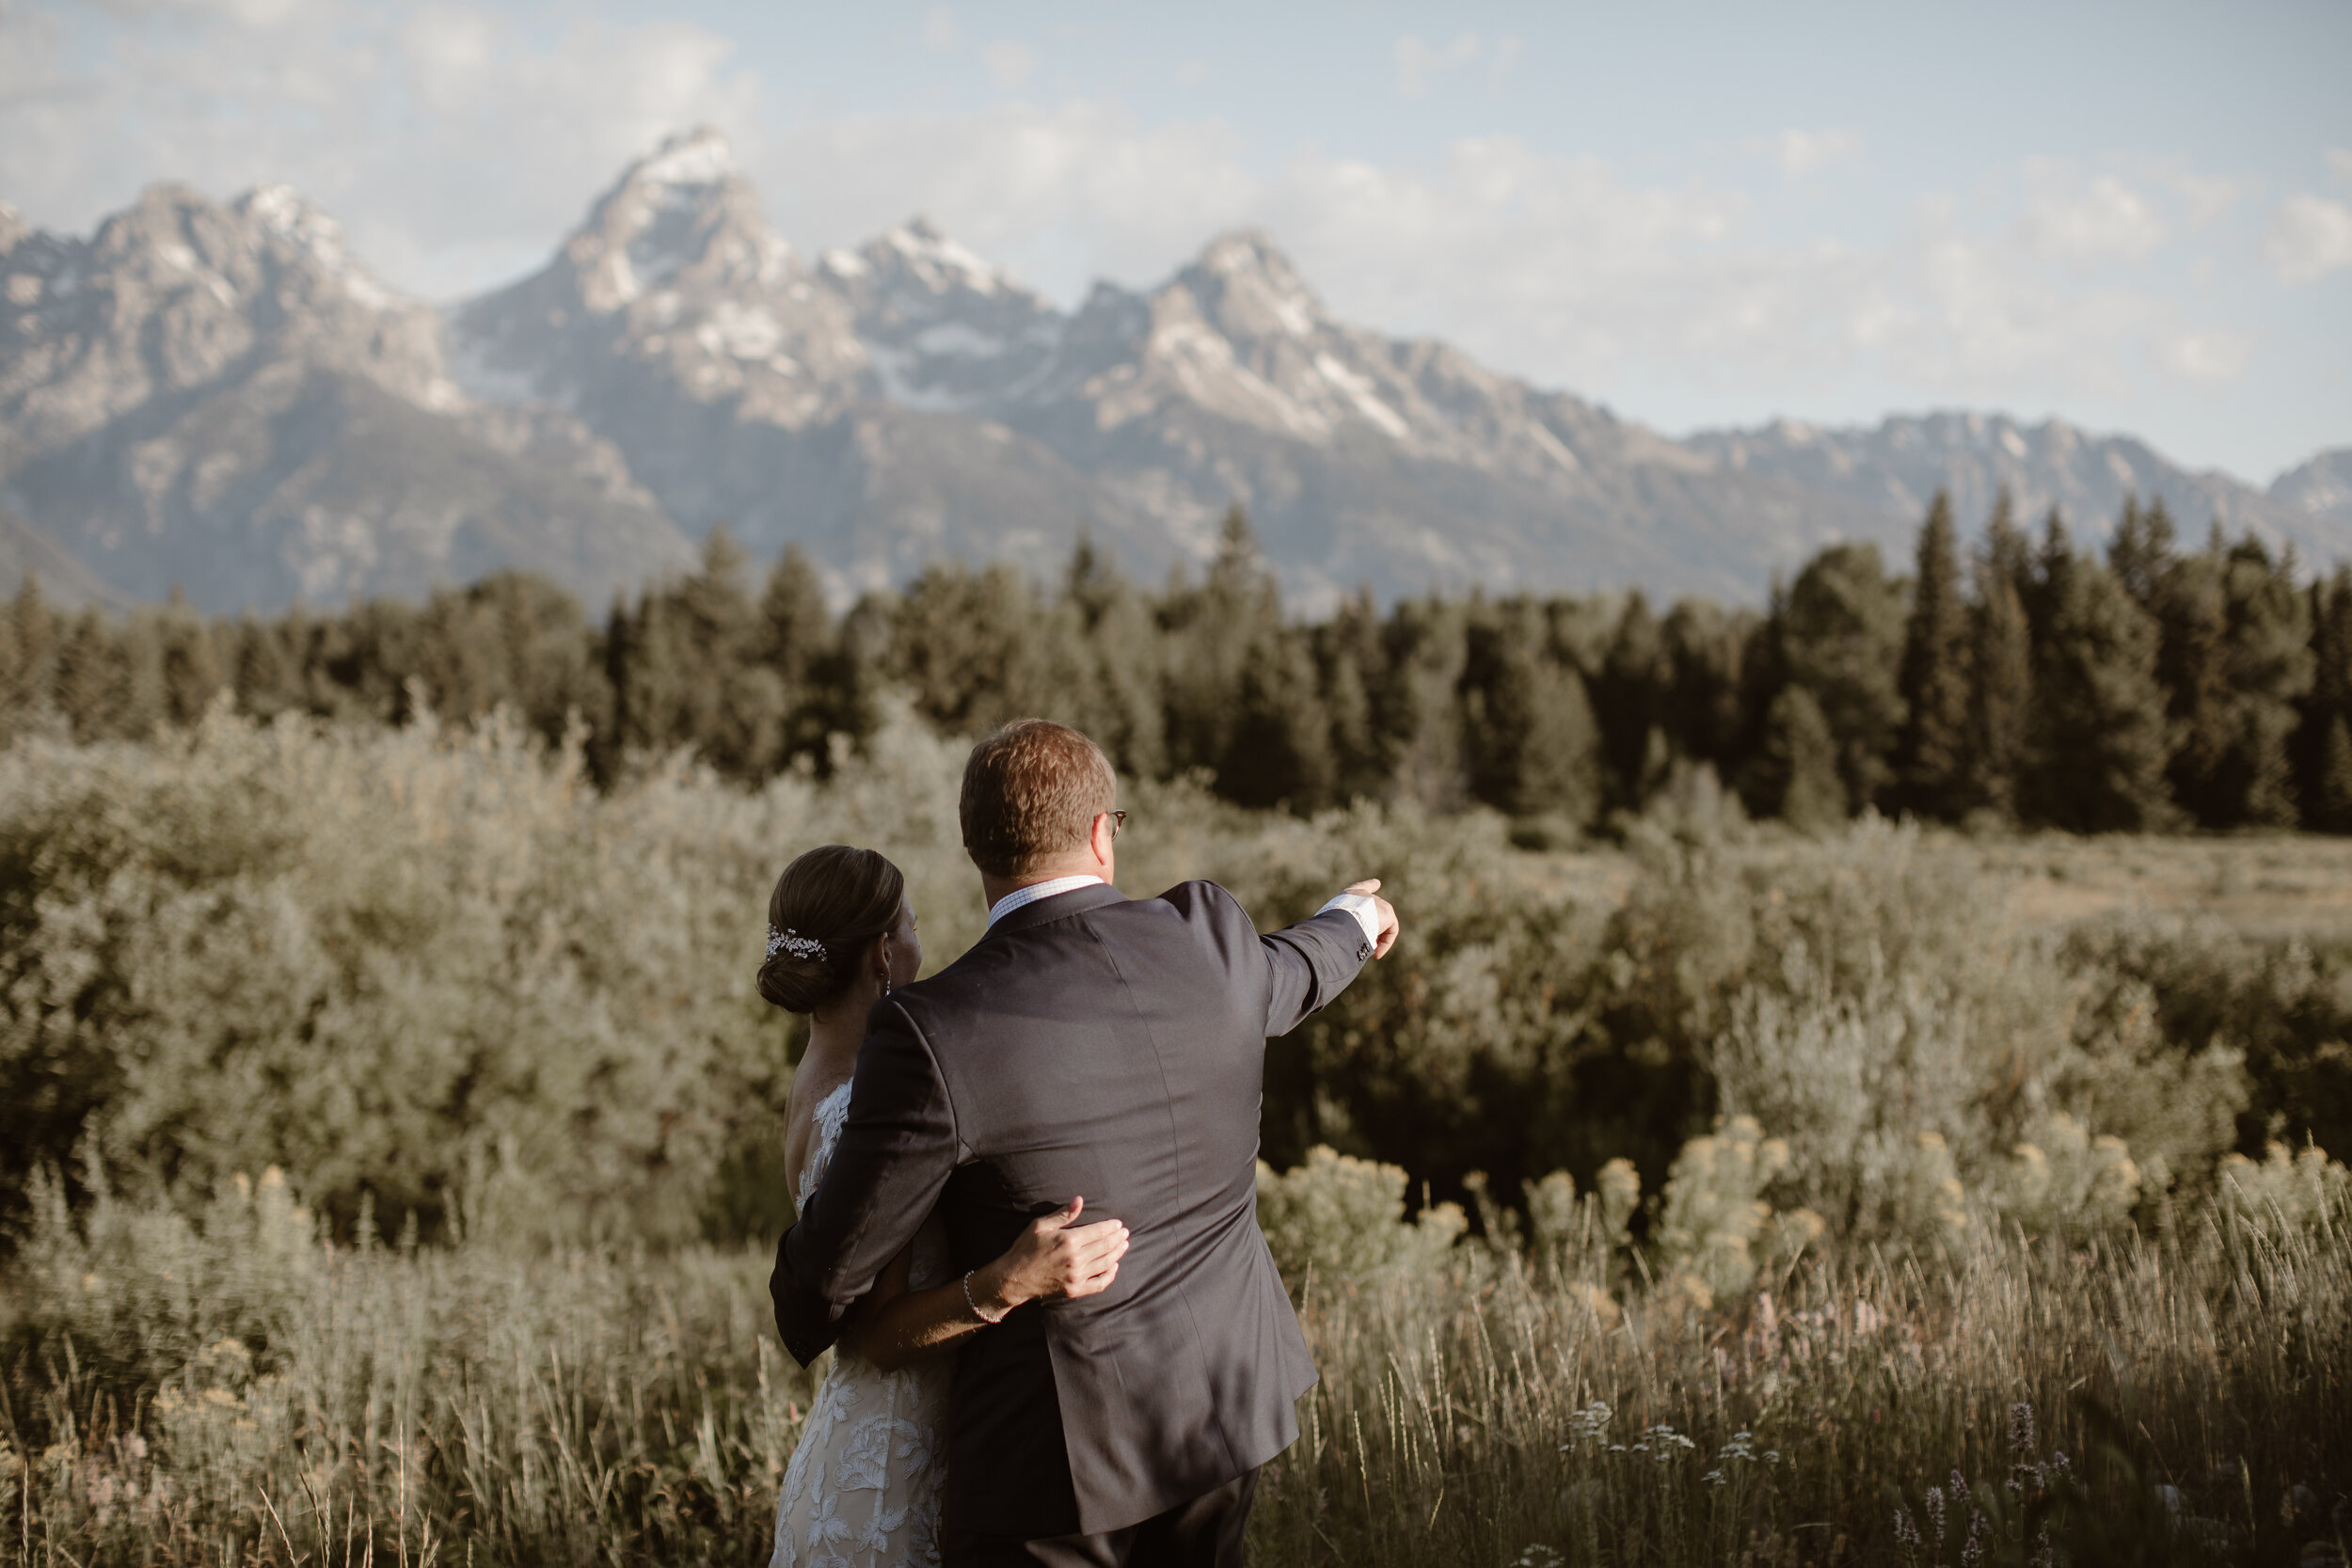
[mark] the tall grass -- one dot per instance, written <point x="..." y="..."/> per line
<point x="308" y="1405"/>
<point x="303" y="1404"/>
<point x="1511" y="1421"/>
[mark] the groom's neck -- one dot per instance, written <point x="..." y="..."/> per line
<point x="995" y="889"/>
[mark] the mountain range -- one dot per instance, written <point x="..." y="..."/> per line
<point x="222" y="398"/>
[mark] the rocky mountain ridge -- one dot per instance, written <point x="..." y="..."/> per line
<point x="220" y="397"/>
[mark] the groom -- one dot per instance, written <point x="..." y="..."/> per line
<point x="1088" y="1045"/>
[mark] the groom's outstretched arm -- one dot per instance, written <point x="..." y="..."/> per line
<point x="1312" y="962"/>
<point x="895" y="1152"/>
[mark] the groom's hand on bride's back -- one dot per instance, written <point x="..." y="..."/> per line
<point x="1369" y="888"/>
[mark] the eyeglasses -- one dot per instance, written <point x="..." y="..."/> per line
<point x="1118" y="820"/>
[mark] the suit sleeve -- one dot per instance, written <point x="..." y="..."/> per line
<point x="1309" y="963"/>
<point x="895" y="1154"/>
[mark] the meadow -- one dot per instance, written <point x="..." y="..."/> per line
<point x="390" y="1168"/>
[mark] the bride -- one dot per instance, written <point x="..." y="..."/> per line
<point x="862" y="1490"/>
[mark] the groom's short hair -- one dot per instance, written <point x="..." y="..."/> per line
<point x="1032" y="791"/>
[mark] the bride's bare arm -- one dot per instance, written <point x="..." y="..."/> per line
<point x="1054" y="1257"/>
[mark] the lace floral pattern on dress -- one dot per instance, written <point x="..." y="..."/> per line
<point x="862" y="1490"/>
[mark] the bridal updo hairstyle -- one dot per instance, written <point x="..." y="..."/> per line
<point x="840" y="897"/>
<point x="1032" y="791"/>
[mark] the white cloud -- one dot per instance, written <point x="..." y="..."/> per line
<point x="939" y="28"/>
<point x="1800" y="152"/>
<point x="2310" y="238"/>
<point x="1568" y="270"/>
<point x="2340" y="160"/>
<point x="2205" y="196"/>
<point x="2085" y="226"/>
<point x="1058" y="197"/>
<point x="1417" y="61"/>
<point x="447" y="140"/>
<point x="2216" y="357"/>
<point x="1010" y="65"/>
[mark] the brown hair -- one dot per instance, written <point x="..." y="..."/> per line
<point x="828" y="905"/>
<point x="1031" y="791"/>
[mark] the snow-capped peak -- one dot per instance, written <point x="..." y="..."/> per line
<point x="696" y="157"/>
<point x="683" y="204"/>
<point x="935" y="258"/>
<point x="1242" y="250"/>
<point x="1255" y="290"/>
<point x="285" y="213"/>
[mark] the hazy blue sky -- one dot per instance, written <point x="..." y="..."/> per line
<point x="2136" y="217"/>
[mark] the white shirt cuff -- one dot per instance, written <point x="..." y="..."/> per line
<point x="1360" y="905"/>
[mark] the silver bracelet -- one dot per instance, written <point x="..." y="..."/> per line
<point x="974" y="1305"/>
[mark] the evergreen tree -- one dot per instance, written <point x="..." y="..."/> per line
<point x="1932" y="759"/>
<point x="685" y="670"/>
<point x="1349" y="659"/>
<point x="1629" y="699"/>
<point x="545" y="653"/>
<point x="2099" y="760"/>
<point x="1214" y="630"/>
<point x="91" y="683"/>
<point x="796" y="632"/>
<point x="11" y="674"/>
<point x="1118" y="647"/>
<point x="1279" y="747"/>
<point x="1763" y="672"/>
<point x="2269" y="669"/>
<point x="1426" y="647"/>
<point x="2234" y="660"/>
<point x="2001" y="693"/>
<point x="192" y="668"/>
<point x="2330" y="796"/>
<point x="2192" y="614"/>
<point x="263" y="671"/>
<point x="1528" y="727"/>
<point x="1842" y="635"/>
<point x="2141" y="552"/>
<point x="2043" y="581"/>
<point x="1706" y="650"/>
<point x="1800" y="767"/>
<point x="27" y="677"/>
<point x="2327" y="707"/>
<point x="955" y="645"/>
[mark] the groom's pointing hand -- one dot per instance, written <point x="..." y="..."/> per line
<point x="1369" y="888"/>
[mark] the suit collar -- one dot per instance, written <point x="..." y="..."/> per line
<point x="1059" y="907"/>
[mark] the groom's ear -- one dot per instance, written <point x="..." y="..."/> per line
<point x="1100" y="840"/>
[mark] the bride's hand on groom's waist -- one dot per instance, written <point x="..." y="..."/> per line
<point x="1055" y="1256"/>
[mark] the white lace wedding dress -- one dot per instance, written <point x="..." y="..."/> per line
<point x="862" y="1490"/>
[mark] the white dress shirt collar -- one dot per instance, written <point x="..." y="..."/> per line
<point x="1023" y="897"/>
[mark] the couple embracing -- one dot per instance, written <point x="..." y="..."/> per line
<point x="1027" y="1192"/>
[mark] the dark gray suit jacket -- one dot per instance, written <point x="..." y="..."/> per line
<point x="1088" y="1045"/>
